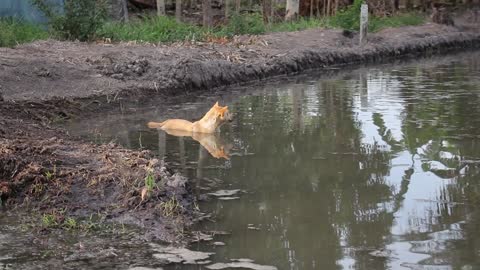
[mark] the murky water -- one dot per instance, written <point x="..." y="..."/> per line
<point x="377" y="168"/>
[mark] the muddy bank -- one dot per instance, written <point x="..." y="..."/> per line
<point x="45" y="169"/>
<point x="48" y="69"/>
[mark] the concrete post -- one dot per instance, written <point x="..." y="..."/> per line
<point x="363" y="24"/>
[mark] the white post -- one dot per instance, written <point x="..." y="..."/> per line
<point x="363" y="24"/>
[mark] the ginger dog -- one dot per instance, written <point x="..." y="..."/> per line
<point x="210" y="123"/>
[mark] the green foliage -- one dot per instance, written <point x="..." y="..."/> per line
<point x="49" y="220"/>
<point x="376" y="23"/>
<point x="70" y="224"/>
<point x="348" y="18"/>
<point x="242" y="24"/>
<point x="297" y="25"/>
<point x="14" y="32"/>
<point x="149" y="181"/>
<point x="79" y="20"/>
<point x="152" y="29"/>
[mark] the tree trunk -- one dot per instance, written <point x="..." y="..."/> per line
<point x="161" y="7"/>
<point x="312" y="2"/>
<point x="207" y="7"/>
<point x="227" y="9"/>
<point x="266" y="9"/>
<point x="329" y="5"/>
<point x="178" y="10"/>
<point x="273" y="4"/>
<point x="237" y="6"/>
<point x="409" y="5"/>
<point x="125" y="10"/>
<point x="118" y="10"/>
<point x="292" y="10"/>
<point x="324" y="6"/>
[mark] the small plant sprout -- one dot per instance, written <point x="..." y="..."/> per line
<point x="170" y="207"/>
<point x="149" y="183"/>
<point x="49" y="220"/>
<point x="70" y="223"/>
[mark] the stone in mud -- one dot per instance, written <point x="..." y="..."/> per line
<point x="218" y="243"/>
<point x="246" y="265"/>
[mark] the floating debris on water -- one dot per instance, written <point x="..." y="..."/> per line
<point x="180" y="255"/>
<point x="200" y="236"/>
<point x="228" y="198"/>
<point x="225" y="193"/>
<point x="242" y="260"/>
<point x="144" y="268"/>
<point x="236" y="264"/>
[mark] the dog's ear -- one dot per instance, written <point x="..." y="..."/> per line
<point x="216" y="104"/>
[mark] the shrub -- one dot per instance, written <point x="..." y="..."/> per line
<point x="243" y="24"/>
<point x="348" y="18"/>
<point x="77" y="19"/>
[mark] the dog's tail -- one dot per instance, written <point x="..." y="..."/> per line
<point x="156" y="124"/>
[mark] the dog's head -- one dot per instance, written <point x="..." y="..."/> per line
<point x="222" y="113"/>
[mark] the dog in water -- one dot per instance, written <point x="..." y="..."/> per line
<point x="210" y="123"/>
<point x="202" y="130"/>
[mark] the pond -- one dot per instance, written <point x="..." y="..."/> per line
<point x="373" y="168"/>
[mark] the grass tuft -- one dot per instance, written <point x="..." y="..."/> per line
<point x="152" y="29"/>
<point x="14" y="31"/>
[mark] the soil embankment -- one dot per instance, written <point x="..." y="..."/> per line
<point x="45" y="168"/>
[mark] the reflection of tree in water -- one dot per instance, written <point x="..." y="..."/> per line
<point x="440" y="124"/>
<point x="318" y="179"/>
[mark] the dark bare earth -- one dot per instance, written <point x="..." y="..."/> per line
<point x="43" y="168"/>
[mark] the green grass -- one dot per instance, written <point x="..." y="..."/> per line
<point x="152" y="29"/>
<point x="14" y="32"/>
<point x="166" y="29"/>
<point x="375" y="24"/>
<point x="301" y="24"/>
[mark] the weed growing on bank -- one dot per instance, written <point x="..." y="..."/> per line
<point x="14" y="32"/>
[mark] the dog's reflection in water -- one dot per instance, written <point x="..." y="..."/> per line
<point x="210" y="141"/>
